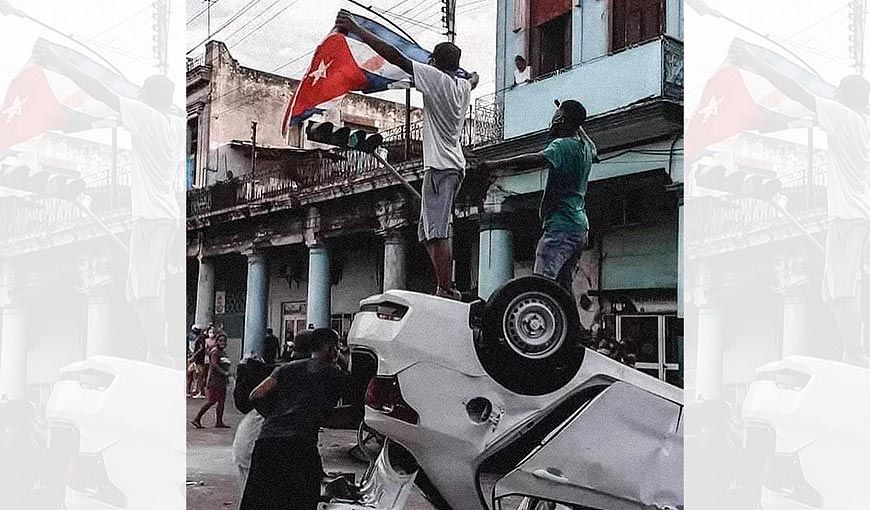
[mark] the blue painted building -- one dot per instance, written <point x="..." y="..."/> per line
<point x="623" y="59"/>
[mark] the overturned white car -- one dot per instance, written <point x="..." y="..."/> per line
<point x="497" y="405"/>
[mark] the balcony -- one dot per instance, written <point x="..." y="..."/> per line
<point x="305" y="175"/>
<point x="652" y="70"/>
<point x="722" y="224"/>
<point x="39" y="218"/>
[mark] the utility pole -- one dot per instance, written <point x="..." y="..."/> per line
<point x="161" y="34"/>
<point x="856" y="35"/>
<point x="253" y="146"/>
<point x="448" y="17"/>
<point x="208" y="17"/>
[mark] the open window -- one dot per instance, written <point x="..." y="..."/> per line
<point x="635" y="21"/>
<point x="549" y="36"/>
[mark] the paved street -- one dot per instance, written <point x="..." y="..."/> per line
<point x="210" y="462"/>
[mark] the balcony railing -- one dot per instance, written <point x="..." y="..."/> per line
<point x="339" y="167"/>
<point x="106" y="192"/>
<point x="802" y="194"/>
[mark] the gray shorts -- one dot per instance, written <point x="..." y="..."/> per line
<point x="844" y="254"/>
<point x="439" y="191"/>
<point x="149" y="246"/>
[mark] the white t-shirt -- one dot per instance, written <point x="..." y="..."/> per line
<point x="848" y="160"/>
<point x="157" y="152"/>
<point x="445" y="104"/>
<point x="522" y="76"/>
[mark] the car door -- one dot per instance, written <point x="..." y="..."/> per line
<point x="622" y="451"/>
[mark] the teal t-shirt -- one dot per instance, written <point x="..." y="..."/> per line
<point x="563" y="207"/>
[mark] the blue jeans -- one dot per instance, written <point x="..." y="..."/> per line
<point x="557" y="254"/>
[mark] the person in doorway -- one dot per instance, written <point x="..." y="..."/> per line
<point x="568" y="159"/>
<point x="286" y="468"/>
<point x="522" y="73"/>
<point x="446" y="98"/>
<point x="844" y="119"/>
<point x="270" y="347"/>
<point x="157" y="137"/>
<point x="216" y="383"/>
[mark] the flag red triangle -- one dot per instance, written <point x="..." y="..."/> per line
<point x="30" y="108"/>
<point x="726" y="109"/>
<point x="333" y="72"/>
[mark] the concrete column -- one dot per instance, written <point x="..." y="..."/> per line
<point x="710" y="352"/>
<point x="796" y="325"/>
<point x="395" y="261"/>
<point x="205" y="293"/>
<point x="13" y="354"/>
<point x="496" y="259"/>
<point x="319" y="287"/>
<point x="256" y="303"/>
<point x="99" y="333"/>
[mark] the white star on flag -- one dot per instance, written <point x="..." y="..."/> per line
<point x="320" y="72"/>
<point x="14" y="110"/>
<point x="711" y="110"/>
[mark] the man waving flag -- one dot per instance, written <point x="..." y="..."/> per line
<point x="738" y="99"/>
<point x="344" y="63"/>
<point x="41" y="98"/>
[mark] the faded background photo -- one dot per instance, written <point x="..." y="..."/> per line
<point x="91" y="250"/>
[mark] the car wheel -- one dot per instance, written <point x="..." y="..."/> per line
<point x="529" y="336"/>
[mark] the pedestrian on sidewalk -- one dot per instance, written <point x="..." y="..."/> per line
<point x="216" y="383"/>
<point x="446" y="97"/>
<point x="198" y="366"/>
<point x="286" y="468"/>
<point x="250" y="372"/>
<point x="568" y="159"/>
<point x="270" y="347"/>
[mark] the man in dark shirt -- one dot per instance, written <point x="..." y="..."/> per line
<point x="270" y="347"/>
<point x="286" y="468"/>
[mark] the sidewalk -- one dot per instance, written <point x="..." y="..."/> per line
<point x="210" y="461"/>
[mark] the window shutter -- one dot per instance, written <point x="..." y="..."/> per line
<point x="521" y="9"/>
<point x="543" y="11"/>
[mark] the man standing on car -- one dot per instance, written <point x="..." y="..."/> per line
<point x="844" y="120"/>
<point x="569" y="159"/>
<point x="286" y="469"/>
<point x="446" y="98"/>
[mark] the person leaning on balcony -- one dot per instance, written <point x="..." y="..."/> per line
<point x="569" y="159"/>
<point x="446" y="98"/>
<point x="844" y="120"/>
<point x="522" y="73"/>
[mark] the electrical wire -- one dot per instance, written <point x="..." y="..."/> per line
<point x="234" y="17"/>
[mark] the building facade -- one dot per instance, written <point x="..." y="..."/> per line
<point x="301" y="243"/>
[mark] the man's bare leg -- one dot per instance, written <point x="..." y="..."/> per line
<point x="152" y="318"/>
<point x="847" y="314"/>
<point x="441" y="254"/>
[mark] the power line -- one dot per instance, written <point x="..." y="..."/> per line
<point x="234" y="17"/>
<point x="200" y="13"/>
<point x="273" y="4"/>
<point x="261" y="25"/>
<point x="119" y="23"/>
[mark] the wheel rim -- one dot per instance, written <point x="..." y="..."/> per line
<point x="534" y="325"/>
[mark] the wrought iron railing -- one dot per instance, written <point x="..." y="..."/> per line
<point x="33" y="215"/>
<point x="802" y="193"/>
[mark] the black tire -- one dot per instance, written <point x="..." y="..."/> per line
<point x="529" y="336"/>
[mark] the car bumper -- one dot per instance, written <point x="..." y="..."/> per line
<point x="384" y="489"/>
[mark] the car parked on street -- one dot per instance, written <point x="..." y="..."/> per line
<point x="498" y="405"/>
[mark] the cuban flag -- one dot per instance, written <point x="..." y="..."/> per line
<point x="343" y="63"/>
<point x="41" y="99"/>
<point x="737" y="99"/>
